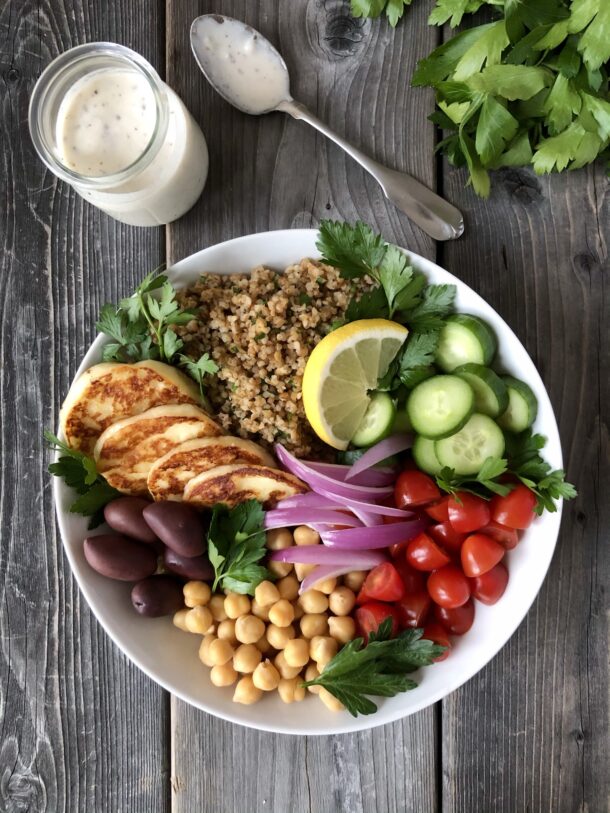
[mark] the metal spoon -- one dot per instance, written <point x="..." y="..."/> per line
<point x="247" y="71"/>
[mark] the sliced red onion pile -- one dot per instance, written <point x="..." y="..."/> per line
<point x="345" y="505"/>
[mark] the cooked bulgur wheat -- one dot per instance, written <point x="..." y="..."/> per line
<point x="260" y="330"/>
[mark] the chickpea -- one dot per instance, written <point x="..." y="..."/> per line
<point x="302" y="570"/>
<point x="259" y="611"/>
<point x="248" y="629"/>
<point x="322" y="649"/>
<point x="329" y="700"/>
<point x="278" y="637"/>
<point x="246" y="692"/>
<point x="226" y="631"/>
<point x="285" y="670"/>
<point x="326" y="585"/>
<point x="305" y="536"/>
<point x="354" y="580"/>
<point x="263" y="645"/>
<point x="223" y="675"/>
<point x="266" y="593"/>
<point x="196" y="593"/>
<point x="342" y="629"/>
<point x="313" y="601"/>
<point x="279" y="538"/>
<point x="246" y="658"/>
<point x="198" y="619"/>
<point x="313" y="624"/>
<point x="266" y="676"/>
<point x="236" y="605"/>
<point x="341" y="601"/>
<point x="216" y="605"/>
<point x="296" y="652"/>
<point x="299" y="612"/>
<point x="288" y="588"/>
<point x="204" y="649"/>
<point x="311" y="673"/>
<point x="179" y="619"/>
<point x="279" y="569"/>
<point x="220" y="652"/>
<point x="290" y="690"/>
<point x="282" y="613"/>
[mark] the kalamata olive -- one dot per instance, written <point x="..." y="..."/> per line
<point x="180" y="526"/>
<point x="124" y="515"/>
<point x="194" y="567"/>
<point x="119" y="557"/>
<point x="157" y="595"/>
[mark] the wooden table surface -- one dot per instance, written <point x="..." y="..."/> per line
<point x="81" y="728"/>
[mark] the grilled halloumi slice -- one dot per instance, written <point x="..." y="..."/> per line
<point x="239" y="482"/>
<point x="125" y="452"/>
<point x="108" y="392"/>
<point x="169" y="475"/>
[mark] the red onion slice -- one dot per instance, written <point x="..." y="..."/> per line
<point x="330" y="572"/>
<point x="362" y="539"/>
<point x="321" y="555"/>
<point x="366" y="518"/>
<point x="310" y="500"/>
<point x="375" y="477"/>
<point x="290" y="517"/>
<point x="378" y="452"/>
<point x="369" y="507"/>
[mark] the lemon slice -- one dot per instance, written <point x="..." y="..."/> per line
<point x="341" y="371"/>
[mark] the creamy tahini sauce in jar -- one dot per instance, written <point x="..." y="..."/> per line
<point x="243" y="68"/>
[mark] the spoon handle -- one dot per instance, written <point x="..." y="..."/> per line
<point x="433" y="214"/>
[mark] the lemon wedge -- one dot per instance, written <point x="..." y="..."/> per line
<point x="341" y="371"/>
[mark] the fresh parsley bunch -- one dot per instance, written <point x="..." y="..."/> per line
<point x="379" y="668"/>
<point x="401" y="294"/>
<point x="141" y="327"/>
<point x="80" y="473"/>
<point x="236" y="544"/>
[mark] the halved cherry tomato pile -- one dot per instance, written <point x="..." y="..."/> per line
<point x="433" y="579"/>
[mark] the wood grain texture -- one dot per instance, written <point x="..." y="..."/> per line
<point x="81" y="729"/>
<point x="530" y="732"/>
<point x="271" y="173"/>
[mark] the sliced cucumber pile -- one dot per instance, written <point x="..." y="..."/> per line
<point x="522" y="407"/>
<point x="490" y="392"/>
<point x="465" y="339"/>
<point x="377" y="422"/>
<point x="468" y="449"/>
<point x="440" y="406"/>
<point x="424" y="455"/>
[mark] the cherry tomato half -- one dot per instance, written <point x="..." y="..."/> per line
<point x="479" y="554"/>
<point x="507" y="537"/>
<point x="490" y="587"/>
<point x="412" y="579"/>
<point x="447" y="537"/>
<point x="415" y="488"/>
<point x="439" y="511"/>
<point x="383" y="583"/>
<point x="458" y="620"/>
<point x="516" y="510"/>
<point x="467" y="512"/>
<point x="424" y="554"/>
<point x="448" y="587"/>
<point x="413" y="609"/>
<point x="434" y="632"/>
<point x="371" y="615"/>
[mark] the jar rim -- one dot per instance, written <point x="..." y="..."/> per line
<point x="55" y="70"/>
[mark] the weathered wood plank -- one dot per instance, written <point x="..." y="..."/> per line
<point x="275" y="173"/>
<point x="81" y="729"/>
<point x="530" y="731"/>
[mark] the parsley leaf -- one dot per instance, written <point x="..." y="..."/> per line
<point x="436" y="303"/>
<point x="370" y="305"/>
<point x="79" y="472"/>
<point x="481" y="484"/>
<point x="395" y="274"/>
<point x="236" y="544"/>
<point x="394" y="9"/>
<point x="379" y="668"/>
<point x="354" y="250"/>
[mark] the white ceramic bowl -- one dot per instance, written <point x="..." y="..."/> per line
<point x="169" y="656"/>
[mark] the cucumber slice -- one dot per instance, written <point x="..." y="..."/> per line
<point x="424" y="455"/>
<point x="468" y="449"/>
<point x="377" y="421"/>
<point x="490" y="392"/>
<point x="401" y="423"/>
<point x="439" y="406"/>
<point x="522" y="406"/>
<point x="465" y="339"/>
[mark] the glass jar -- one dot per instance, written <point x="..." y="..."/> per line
<point x="102" y="120"/>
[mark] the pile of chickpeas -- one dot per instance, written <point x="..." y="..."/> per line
<point x="277" y="639"/>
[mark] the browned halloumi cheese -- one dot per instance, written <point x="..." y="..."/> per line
<point x="237" y="483"/>
<point x="169" y="475"/>
<point x="125" y="452"/>
<point x="107" y="392"/>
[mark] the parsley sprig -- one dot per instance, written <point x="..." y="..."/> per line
<point x="379" y="668"/>
<point x="141" y="328"/>
<point x="80" y="473"/>
<point x="236" y="544"/>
